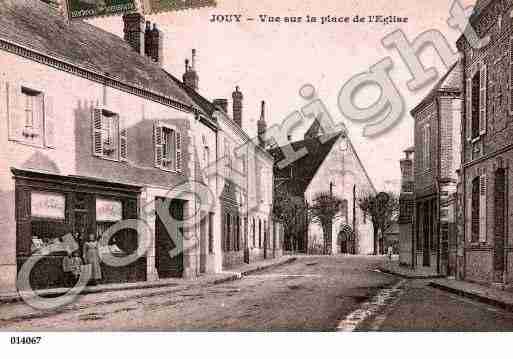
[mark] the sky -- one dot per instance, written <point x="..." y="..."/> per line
<point x="272" y="61"/>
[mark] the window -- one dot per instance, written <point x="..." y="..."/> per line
<point x="109" y="138"/>
<point x="211" y="233"/>
<point x="28" y="122"/>
<point x="254" y="234"/>
<point x="475" y="105"/>
<point x="425" y="158"/>
<point x="168" y="148"/>
<point x="475" y="215"/>
<point x="259" y="233"/>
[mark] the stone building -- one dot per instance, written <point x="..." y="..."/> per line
<point x="331" y="164"/>
<point x="94" y="133"/>
<point x="437" y="157"/>
<point x="406" y="207"/>
<point x="487" y="145"/>
<point x="243" y="177"/>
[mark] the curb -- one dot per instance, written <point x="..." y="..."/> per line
<point x="153" y="285"/>
<point x="412" y="276"/>
<point x="263" y="267"/>
<point x="475" y="296"/>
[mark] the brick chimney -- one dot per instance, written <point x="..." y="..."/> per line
<point x="153" y="43"/>
<point x="190" y="77"/>
<point x="262" y="126"/>
<point x="222" y="103"/>
<point x="407" y="175"/>
<point x="237" y="106"/>
<point x="134" y="31"/>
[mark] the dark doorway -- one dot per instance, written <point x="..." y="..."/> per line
<point x="500" y="206"/>
<point x="169" y="265"/>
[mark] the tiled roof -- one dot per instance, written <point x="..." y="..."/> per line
<point x="451" y="81"/>
<point x="206" y="105"/>
<point x="35" y="25"/>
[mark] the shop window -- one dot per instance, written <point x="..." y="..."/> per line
<point x="259" y="233"/>
<point x="254" y="234"/>
<point x="108" y="213"/>
<point x="48" y="220"/>
<point x="109" y="136"/>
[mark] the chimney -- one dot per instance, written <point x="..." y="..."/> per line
<point x="222" y="103"/>
<point x="237" y="106"/>
<point x="262" y="126"/>
<point x="133" y="28"/>
<point x="153" y="43"/>
<point x="190" y="77"/>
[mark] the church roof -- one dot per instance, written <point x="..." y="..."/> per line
<point x="41" y="28"/>
<point x="298" y="175"/>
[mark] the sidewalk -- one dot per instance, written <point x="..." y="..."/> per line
<point x="393" y="267"/>
<point x="485" y="294"/>
<point x="177" y="283"/>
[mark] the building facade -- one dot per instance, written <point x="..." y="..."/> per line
<point x="406" y="208"/>
<point x="487" y="146"/>
<point x="93" y="140"/>
<point x="437" y="157"/>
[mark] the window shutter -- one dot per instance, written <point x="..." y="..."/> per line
<point x="97" y="132"/>
<point x="468" y="217"/>
<point x="49" y="122"/>
<point x="15" y="113"/>
<point x="482" y="100"/>
<point x="123" y="140"/>
<point x="157" y="139"/>
<point x="468" y="114"/>
<point x="178" y="147"/>
<point x="482" y="207"/>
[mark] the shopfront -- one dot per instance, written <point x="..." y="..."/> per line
<point x="50" y="207"/>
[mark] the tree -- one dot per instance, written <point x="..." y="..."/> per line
<point x="291" y="212"/>
<point x="382" y="209"/>
<point x="324" y="209"/>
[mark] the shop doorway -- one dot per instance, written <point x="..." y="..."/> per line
<point x="203" y="242"/>
<point x="168" y="245"/>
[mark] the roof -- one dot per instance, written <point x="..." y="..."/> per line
<point x="39" y="27"/>
<point x="304" y="169"/>
<point x="452" y="81"/>
<point x="204" y="104"/>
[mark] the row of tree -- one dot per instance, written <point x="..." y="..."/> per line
<point x="295" y="214"/>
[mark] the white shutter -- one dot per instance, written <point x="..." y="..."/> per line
<point x="97" y="132"/>
<point x="178" y="146"/>
<point x="482" y="99"/>
<point x="49" y="121"/>
<point x="483" y="184"/>
<point x="14" y="110"/>
<point x="123" y="140"/>
<point x="469" y="109"/>
<point x="157" y="140"/>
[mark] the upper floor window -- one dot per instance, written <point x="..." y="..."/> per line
<point x="475" y="105"/>
<point x="477" y="102"/>
<point x="30" y="116"/>
<point x="109" y="136"/>
<point x="425" y="159"/>
<point x="168" y="147"/>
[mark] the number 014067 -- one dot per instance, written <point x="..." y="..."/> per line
<point x="25" y="340"/>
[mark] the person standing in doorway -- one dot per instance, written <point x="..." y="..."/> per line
<point x="91" y="254"/>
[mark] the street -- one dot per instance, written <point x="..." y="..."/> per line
<point x="311" y="294"/>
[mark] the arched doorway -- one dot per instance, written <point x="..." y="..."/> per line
<point x="345" y="239"/>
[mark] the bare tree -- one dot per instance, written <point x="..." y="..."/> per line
<point x="382" y="209"/>
<point x="291" y="211"/>
<point x="324" y="209"/>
